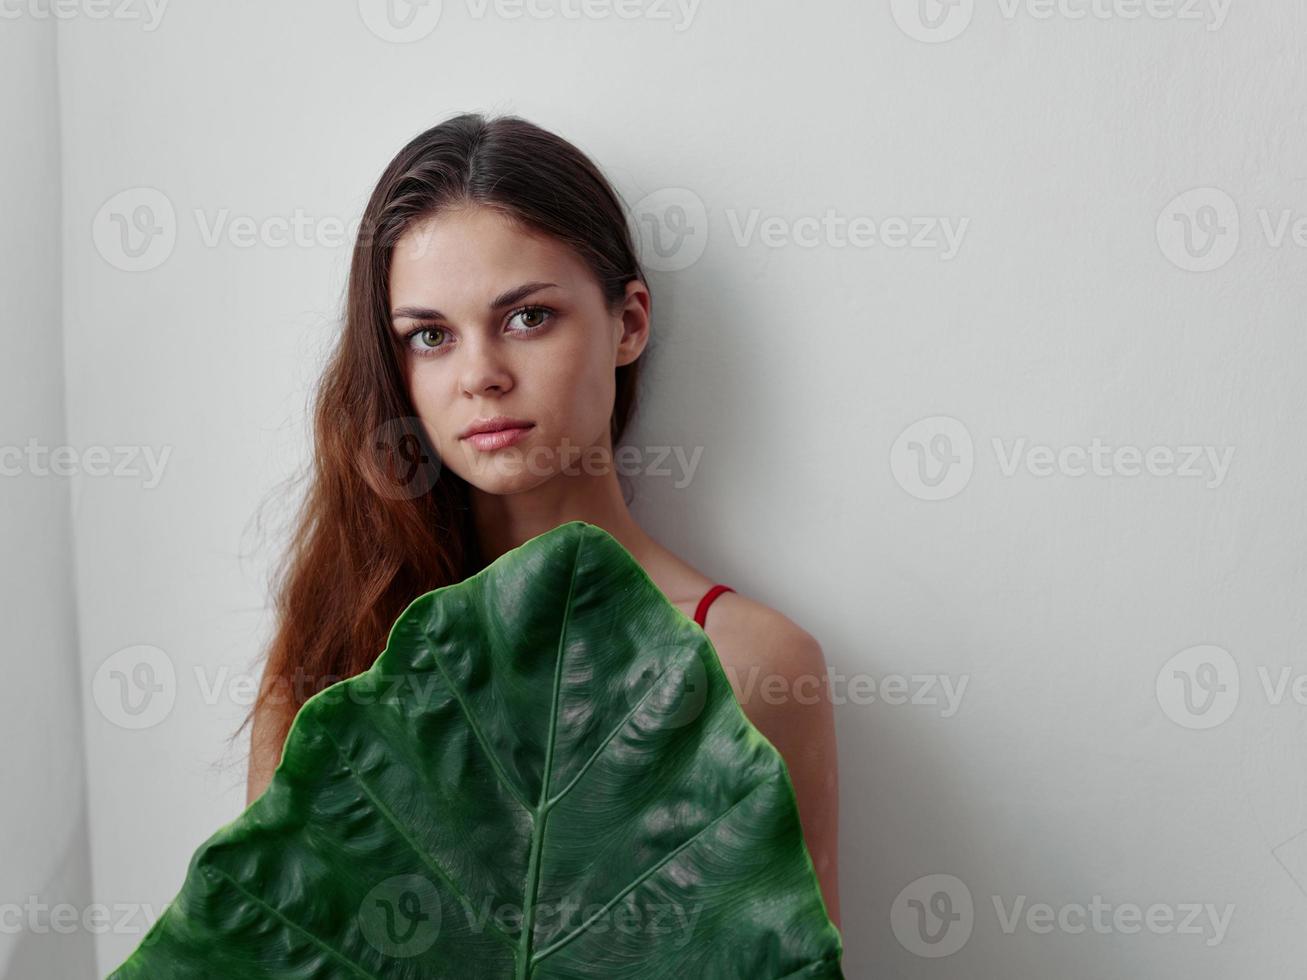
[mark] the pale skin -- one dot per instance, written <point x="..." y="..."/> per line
<point x="547" y="356"/>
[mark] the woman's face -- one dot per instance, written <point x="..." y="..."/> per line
<point x="497" y="320"/>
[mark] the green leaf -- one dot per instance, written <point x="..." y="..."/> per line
<point x="545" y="774"/>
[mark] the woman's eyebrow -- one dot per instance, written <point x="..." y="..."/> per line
<point x="506" y="298"/>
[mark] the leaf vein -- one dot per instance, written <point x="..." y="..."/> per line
<point x="599" y="749"/>
<point x="402" y="831"/>
<point x="558" y="944"/>
<point x="480" y="736"/>
<point x="320" y="942"/>
<point x="531" y="886"/>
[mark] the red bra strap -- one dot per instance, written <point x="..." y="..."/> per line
<point x="702" y="612"/>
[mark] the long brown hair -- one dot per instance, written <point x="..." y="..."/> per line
<point x="364" y="546"/>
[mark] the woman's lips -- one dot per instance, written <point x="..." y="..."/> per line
<point x="489" y="441"/>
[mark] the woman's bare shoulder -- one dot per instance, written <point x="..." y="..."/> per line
<point x="770" y="659"/>
<point x="269" y="726"/>
<point x="779" y="674"/>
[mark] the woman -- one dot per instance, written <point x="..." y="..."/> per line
<point x="494" y="286"/>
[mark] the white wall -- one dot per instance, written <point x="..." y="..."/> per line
<point x="1069" y="310"/>
<point x="44" y="863"/>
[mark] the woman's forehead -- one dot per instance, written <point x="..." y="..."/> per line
<point x="476" y="254"/>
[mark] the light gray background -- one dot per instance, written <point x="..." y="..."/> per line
<point x="813" y="372"/>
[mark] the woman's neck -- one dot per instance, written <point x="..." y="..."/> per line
<point x="502" y="522"/>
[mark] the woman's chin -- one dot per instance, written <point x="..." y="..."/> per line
<point x="505" y="471"/>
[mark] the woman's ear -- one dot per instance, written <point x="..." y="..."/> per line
<point x="633" y="322"/>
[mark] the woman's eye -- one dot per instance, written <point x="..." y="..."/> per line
<point x="539" y="316"/>
<point x="426" y="341"/>
<point x="422" y="339"/>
